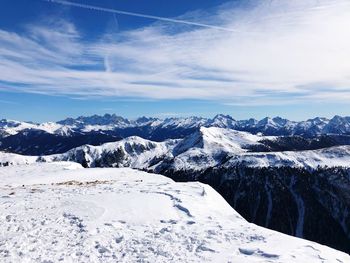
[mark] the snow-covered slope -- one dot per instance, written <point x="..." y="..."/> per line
<point x="9" y="159"/>
<point x="214" y="139"/>
<point x="209" y="146"/>
<point x="328" y="157"/>
<point x="216" y="146"/>
<point x="60" y="212"/>
<point x="11" y="127"/>
<point x="132" y="152"/>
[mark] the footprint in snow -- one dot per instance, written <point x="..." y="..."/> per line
<point x="171" y="221"/>
<point x="8" y="218"/>
<point x="119" y="239"/>
<point x="257" y="252"/>
<point x="202" y="247"/>
<point x="101" y="249"/>
<point x="183" y="209"/>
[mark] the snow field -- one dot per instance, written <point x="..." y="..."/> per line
<point x="59" y="212"/>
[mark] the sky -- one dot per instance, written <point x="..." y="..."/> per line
<point x="245" y="58"/>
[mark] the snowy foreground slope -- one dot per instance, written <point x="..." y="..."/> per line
<point x="60" y="212"/>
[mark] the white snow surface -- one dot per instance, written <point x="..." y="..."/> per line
<point x="14" y="127"/>
<point x="205" y="148"/>
<point x="208" y="147"/>
<point x="228" y="140"/>
<point x="138" y="152"/>
<point x="15" y="159"/>
<point x="338" y="156"/>
<point x="59" y="212"/>
<point x="89" y="128"/>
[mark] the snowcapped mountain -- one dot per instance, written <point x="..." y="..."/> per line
<point x="222" y="121"/>
<point x="10" y="127"/>
<point x="49" y="138"/>
<point x="312" y="159"/>
<point x="133" y="152"/>
<point x="59" y="212"/>
<point x="267" y="126"/>
<point x="96" y="120"/>
<point x="205" y="148"/>
<point x="209" y="147"/>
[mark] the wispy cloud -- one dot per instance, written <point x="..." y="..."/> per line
<point x="281" y="52"/>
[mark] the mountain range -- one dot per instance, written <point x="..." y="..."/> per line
<point x="58" y="137"/>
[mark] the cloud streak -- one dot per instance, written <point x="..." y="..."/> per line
<point x="298" y="53"/>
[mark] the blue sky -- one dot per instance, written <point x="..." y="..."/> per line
<point x="265" y="58"/>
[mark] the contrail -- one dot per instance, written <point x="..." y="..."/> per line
<point x="120" y="12"/>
